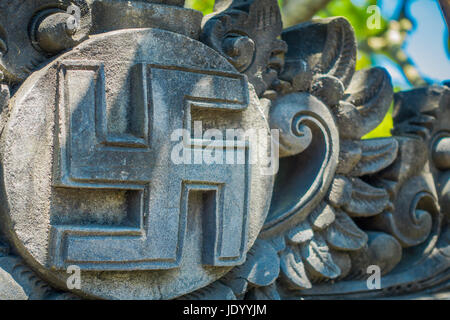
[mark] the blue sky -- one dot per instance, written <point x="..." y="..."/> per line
<point x="426" y="45"/>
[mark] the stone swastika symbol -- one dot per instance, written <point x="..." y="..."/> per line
<point x="138" y="160"/>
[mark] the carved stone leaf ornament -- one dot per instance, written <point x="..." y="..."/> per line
<point x="92" y="94"/>
<point x="318" y="258"/>
<point x="293" y="269"/>
<point x="318" y="237"/>
<point x="344" y="234"/>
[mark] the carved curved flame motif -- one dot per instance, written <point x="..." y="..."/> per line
<point x="307" y="131"/>
<point x="112" y="202"/>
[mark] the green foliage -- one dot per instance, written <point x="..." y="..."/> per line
<point x="205" y="6"/>
<point x="383" y="129"/>
<point x="363" y="61"/>
<point x="357" y="15"/>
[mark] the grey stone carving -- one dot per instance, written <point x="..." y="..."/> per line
<point x="94" y="174"/>
<point x="104" y="126"/>
<point x="41" y="31"/>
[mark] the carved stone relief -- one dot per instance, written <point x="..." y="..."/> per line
<point x="89" y="111"/>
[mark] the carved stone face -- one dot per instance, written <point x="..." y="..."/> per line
<point x="275" y="63"/>
<point x="247" y="34"/>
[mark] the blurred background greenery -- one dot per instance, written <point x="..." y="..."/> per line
<point x="412" y="42"/>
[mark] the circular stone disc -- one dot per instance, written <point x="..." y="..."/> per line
<point x="91" y="179"/>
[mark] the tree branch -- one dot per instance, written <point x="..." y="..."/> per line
<point x="297" y="11"/>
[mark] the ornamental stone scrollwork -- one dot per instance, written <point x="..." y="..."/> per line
<point x="94" y="175"/>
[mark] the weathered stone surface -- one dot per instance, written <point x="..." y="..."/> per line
<point x="162" y="229"/>
<point x="381" y="184"/>
<point x="20" y="38"/>
<point x="9" y="289"/>
<point x="111" y="15"/>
